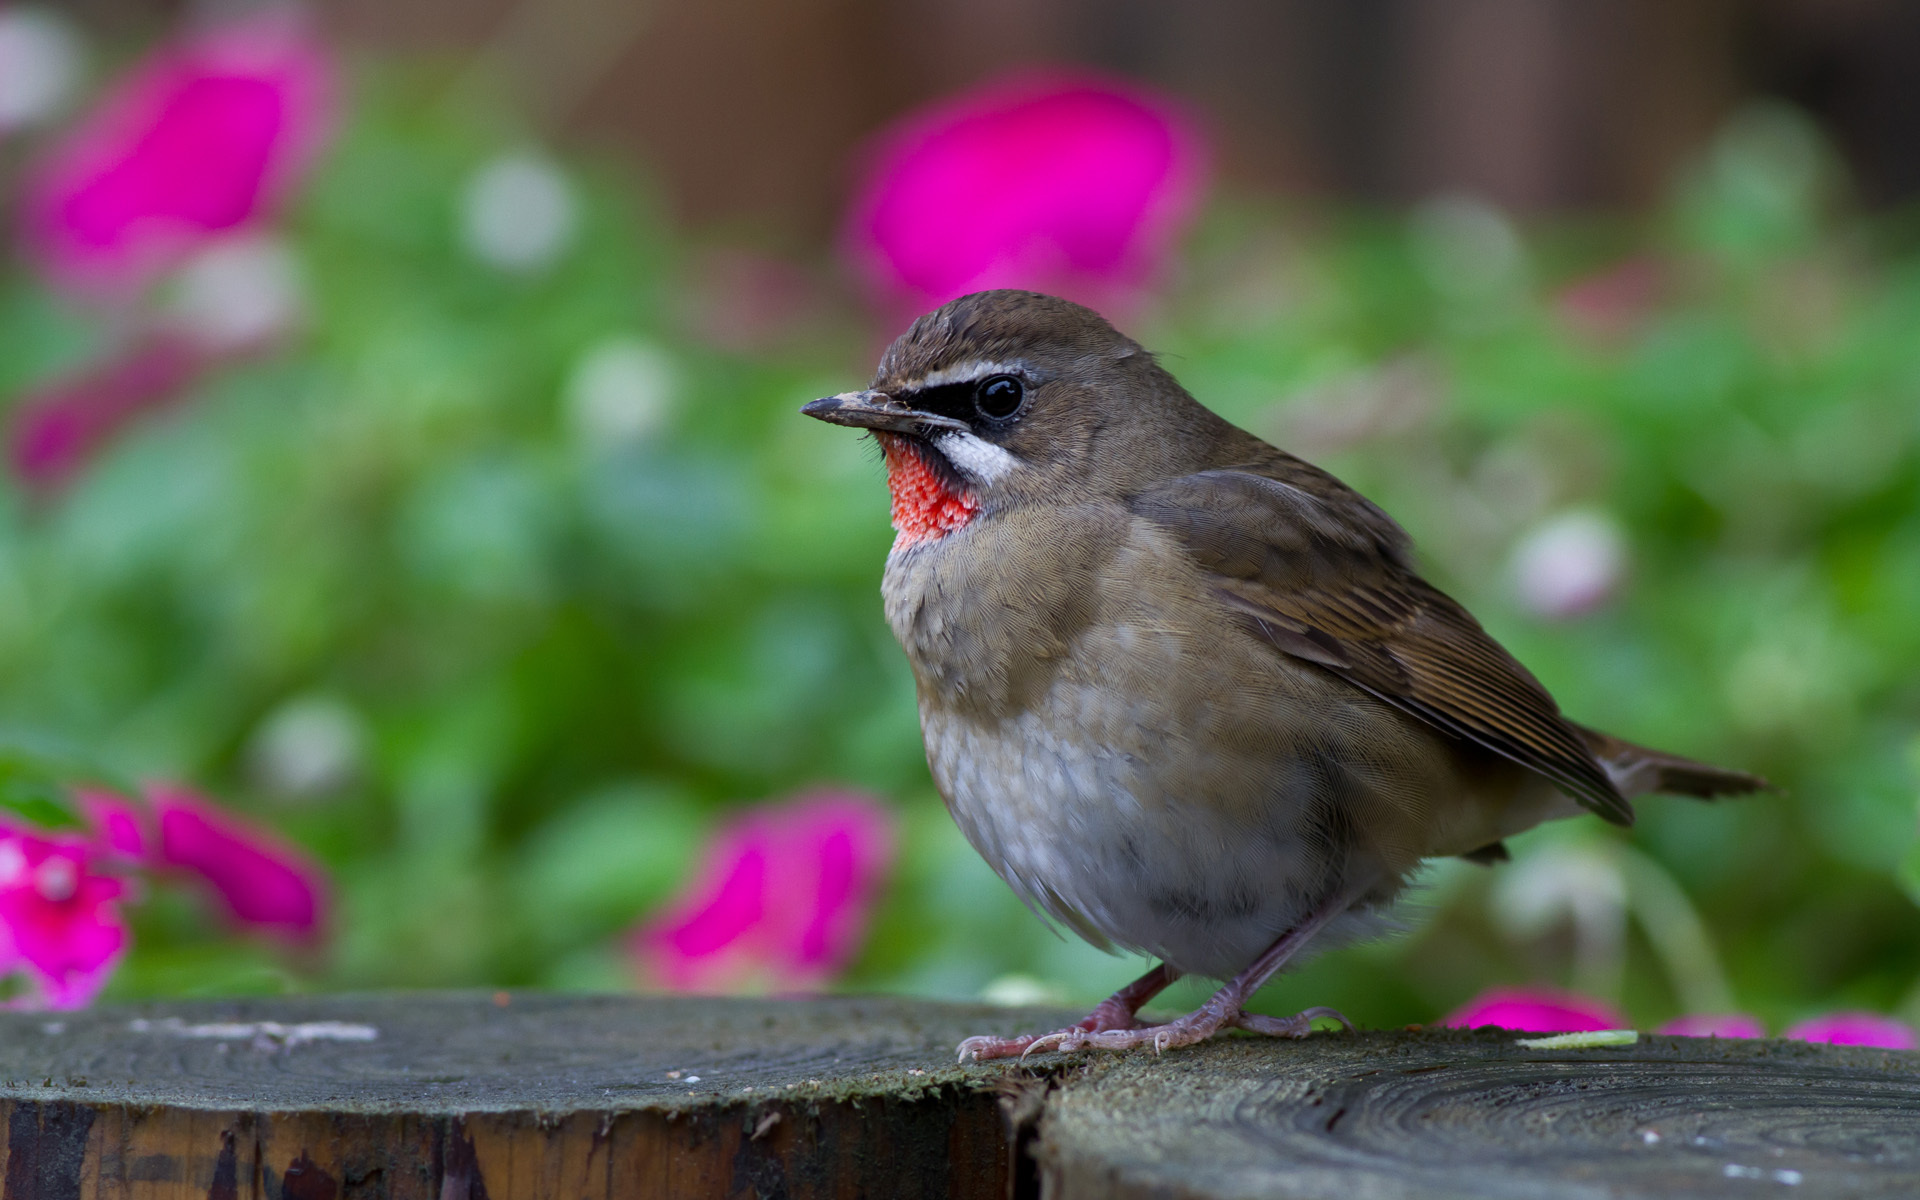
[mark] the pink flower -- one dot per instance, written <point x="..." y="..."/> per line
<point x="1569" y="564"/>
<point x="262" y="881"/>
<point x="1610" y="305"/>
<point x="58" y="917"/>
<point x="1536" y="1010"/>
<point x="196" y="140"/>
<point x="1060" y="183"/>
<point x="119" y="824"/>
<point x="57" y="430"/>
<point x="1856" y="1029"/>
<point x="781" y="899"/>
<point x="1726" y="1025"/>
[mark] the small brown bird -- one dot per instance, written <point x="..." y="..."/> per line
<point x="1187" y="694"/>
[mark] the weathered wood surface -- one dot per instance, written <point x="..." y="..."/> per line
<point x="458" y="1097"/>
<point x="1474" y="1115"/>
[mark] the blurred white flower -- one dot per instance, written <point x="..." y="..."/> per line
<point x="1574" y="883"/>
<point x="621" y="392"/>
<point x="1022" y="991"/>
<point x="1569" y="563"/>
<point x="239" y="292"/>
<point x="1468" y="249"/>
<point x="40" y="60"/>
<point x="1770" y="157"/>
<point x="517" y="213"/>
<point x="308" y="747"/>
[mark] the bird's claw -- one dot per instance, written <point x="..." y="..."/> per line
<point x="986" y="1046"/>
<point x="1189" y="1030"/>
<point x="1066" y="1041"/>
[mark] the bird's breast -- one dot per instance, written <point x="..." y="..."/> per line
<point x="987" y="613"/>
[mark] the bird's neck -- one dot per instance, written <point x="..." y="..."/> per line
<point x="926" y="507"/>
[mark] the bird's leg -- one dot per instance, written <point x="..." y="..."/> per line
<point x="1222" y="1010"/>
<point x="1115" y="1012"/>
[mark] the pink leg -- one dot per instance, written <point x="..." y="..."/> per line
<point x="1115" y="1012"/>
<point x="1222" y="1010"/>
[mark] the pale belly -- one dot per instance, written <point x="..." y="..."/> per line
<point x="1062" y="820"/>
<point x="1191" y="813"/>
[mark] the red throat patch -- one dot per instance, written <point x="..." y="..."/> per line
<point x="925" y="508"/>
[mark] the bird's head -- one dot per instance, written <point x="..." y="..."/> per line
<point x="1005" y="398"/>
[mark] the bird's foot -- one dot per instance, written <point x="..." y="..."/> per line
<point x="1298" y="1025"/>
<point x="1207" y="1021"/>
<point x="1113" y="1013"/>
<point x="1109" y="1017"/>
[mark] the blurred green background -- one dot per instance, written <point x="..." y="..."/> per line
<point x="501" y="652"/>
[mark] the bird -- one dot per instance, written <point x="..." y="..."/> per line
<point x="1187" y="694"/>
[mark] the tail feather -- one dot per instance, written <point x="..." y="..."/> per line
<point x="1637" y="770"/>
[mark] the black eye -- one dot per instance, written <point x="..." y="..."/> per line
<point x="999" y="396"/>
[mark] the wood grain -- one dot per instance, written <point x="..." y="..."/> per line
<point x="1455" y="1114"/>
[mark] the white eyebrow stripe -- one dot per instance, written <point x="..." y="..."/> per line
<point x="976" y="456"/>
<point x="966" y="372"/>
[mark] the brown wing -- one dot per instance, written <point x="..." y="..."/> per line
<point x="1325" y="576"/>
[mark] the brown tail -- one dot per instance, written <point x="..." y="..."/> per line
<point x="1636" y="770"/>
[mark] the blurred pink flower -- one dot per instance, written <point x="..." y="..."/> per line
<point x="56" y="430"/>
<point x="1726" y="1025"/>
<point x="58" y="917"/>
<point x="119" y="824"/>
<point x="265" y="882"/>
<point x="1061" y="183"/>
<point x="262" y="881"/>
<point x="781" y="900"/>
<point x="1610" y="305"/>
<point x="1536" y="1010"/>
<point x="1856" y="1029"/>
<point x="196" y="140"/>
<point x="1569" y="564"/>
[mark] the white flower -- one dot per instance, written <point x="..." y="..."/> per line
<point x="1578" y="884"/>
<point x="57" y="879"/>
<point x="239" y="292"/>
<point x="309" y="746"/>
<point x="1556" y="883"/>
<point x="621" y="392"/>
<point x="13" y="861"/>
<point x="1468" y="249"/>
<point x="1569" y="563"/>
<point x="1022" y="991"/>
<point x="517" y="213"/>
<point x="40" y="62"/>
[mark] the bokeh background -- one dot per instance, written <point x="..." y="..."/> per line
<point x="414" y="571"/>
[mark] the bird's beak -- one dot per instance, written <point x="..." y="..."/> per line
<point x="877" y="410"/>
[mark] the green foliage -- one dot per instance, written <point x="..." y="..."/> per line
<point x="557" y="658"/>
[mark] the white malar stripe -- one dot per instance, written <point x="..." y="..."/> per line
<point x="976" y="456"/>
<point x="966" y="372"/>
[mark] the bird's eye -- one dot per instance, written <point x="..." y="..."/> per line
<point x="999" y="396"/>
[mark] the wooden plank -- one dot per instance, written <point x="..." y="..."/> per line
<point x="458" y="1097"/>
<point x="1417" y="1116"/>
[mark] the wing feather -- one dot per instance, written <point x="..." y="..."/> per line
<point x="1333" y="583"/>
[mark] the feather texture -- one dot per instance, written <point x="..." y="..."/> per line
<point x="1331" y="584"/>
